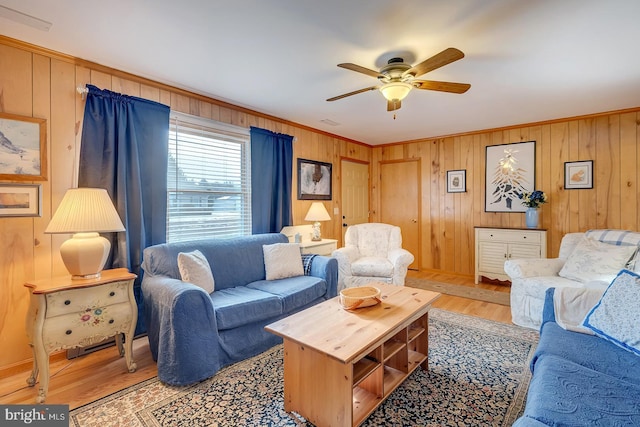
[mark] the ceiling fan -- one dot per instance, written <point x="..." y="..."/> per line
<point x="398" y="77"/>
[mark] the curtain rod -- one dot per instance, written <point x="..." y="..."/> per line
<point x="83" y="91"/>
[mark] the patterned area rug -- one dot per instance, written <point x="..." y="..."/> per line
<point x="496" y="297"/>
<point x="478" y="377"/>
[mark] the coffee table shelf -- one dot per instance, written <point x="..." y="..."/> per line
<point x="340" y="365"/>
<point x="362" y="368"/>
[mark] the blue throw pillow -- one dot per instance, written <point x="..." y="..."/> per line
<point x="616" y="317"/>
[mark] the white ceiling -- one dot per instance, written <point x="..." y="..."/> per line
<point x="526" y="60"/>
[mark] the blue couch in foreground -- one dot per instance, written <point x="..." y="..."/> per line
<point x="192" y="334"/>
<point x="580" y="379"/>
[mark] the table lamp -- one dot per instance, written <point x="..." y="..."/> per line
<point x="85" y="212"/>
<point x="317" y="212"/>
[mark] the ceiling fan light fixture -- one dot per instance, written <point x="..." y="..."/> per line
<point x="395" y="91"/>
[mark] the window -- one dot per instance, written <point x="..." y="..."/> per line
<point x="208" y="185"/>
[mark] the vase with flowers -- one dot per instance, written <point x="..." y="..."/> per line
<point x="532" y="201"/>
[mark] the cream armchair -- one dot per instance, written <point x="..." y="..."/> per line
<point x="372" y="252"/>
<point x="579" y="265"/>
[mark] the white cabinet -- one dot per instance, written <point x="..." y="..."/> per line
<point x="322" y="247"/>
<point x="307" y="246"/>
<point x="494" y="246"/>
<point x="66" y="313"/>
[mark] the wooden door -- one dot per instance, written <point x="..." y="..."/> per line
<point x="355" y="194"/>
<point x="400" y="202"/>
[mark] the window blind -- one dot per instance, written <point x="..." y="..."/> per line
<point x="208" y="179"/>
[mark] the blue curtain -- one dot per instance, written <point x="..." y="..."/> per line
<point x="271" y="175"/>
<point x="124" y="150"/>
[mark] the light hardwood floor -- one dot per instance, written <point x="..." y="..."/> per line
<point x="82" y="380"/>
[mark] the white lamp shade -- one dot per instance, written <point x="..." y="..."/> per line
<point x="85" y="212"/>
<point x="396" y="91"/>
<point x="317" y="212"/>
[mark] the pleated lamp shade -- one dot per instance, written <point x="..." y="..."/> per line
<point x="85" y="212"/>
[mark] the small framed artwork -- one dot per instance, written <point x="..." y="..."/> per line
<point x="314" y="180"/>
<point x="457" y="181"/>
<point x="509" y="172"/>
<point x="20" y="200"/>
<point x="24" y="153"/>
<point x="578" y="175"/>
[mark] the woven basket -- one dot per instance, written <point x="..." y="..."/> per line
<point x="359" y="297"/>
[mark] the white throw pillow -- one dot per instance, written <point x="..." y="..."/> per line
<point x="282" y="260"/>
<point x="617" y="315"/>
<point x="594" y="260"/>
<point x="194" y="268"/>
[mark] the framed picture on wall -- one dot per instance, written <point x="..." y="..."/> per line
<point x="24" y="148"/>
<point x="20" y="200"/>
<point x="314" y="180"/>
<point x="578" y="175"/>
<point x="457" y="181"/>
<point x="509" y="171"/>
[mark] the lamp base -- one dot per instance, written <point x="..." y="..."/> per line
<point x="315" y="232"/>
<point x="85" y="254"/>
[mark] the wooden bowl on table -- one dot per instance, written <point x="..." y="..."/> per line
<point x="359" y="297"/>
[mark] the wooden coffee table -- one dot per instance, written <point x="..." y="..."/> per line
<point x="340" y="365"/>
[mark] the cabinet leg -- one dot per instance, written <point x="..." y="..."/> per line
<point x="128" y="351"/>
<point x="118" y="340"/>
<point x="41" y="364"/>
<point x="31" y="381"/>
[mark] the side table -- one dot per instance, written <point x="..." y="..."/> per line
<point x="320" y="247"/>
<point x="65" y="313"/>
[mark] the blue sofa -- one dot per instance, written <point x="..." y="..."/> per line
<point x="580" y="380"/>
<point x="193" y="334"/>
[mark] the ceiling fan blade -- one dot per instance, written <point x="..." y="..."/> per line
<point x="441" y="86"/>
<point x="355" y="92"/>
<point x="394" y="105"/>
<point x="359" y="69"/>
<point x="441" y="59"/>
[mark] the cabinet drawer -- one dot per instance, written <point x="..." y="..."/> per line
<point x="77" y="300"/>
<point x="519" y="236"/>
<point x="87" y="327"/>
<point x="321" y="249"/>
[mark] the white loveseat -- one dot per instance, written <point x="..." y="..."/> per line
<point x="586" y="260"/>
<point x="372" y="252"/>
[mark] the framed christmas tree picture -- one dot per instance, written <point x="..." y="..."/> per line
<point x="509" y="172"/>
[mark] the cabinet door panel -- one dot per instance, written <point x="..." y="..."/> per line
<point x="492" y="257"/>
<point x="523" y="251"/>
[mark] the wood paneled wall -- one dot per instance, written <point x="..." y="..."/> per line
<point x="448" y="219"/>
<point x="35" y="82"/>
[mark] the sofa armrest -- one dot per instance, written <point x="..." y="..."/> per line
<point x="401" y="259"/>
<point x="182" y="330"/>
<point x="569" y="306"/>
<point x="548" y="311"/>
<point x="533" y="267"/>
<point x="345" y="256"/>
<point x="326" y="268"/>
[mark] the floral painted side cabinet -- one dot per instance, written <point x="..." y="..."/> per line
<point x="66" y="313"/>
